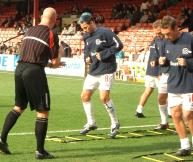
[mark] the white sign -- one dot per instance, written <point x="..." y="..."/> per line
<point x="73" y="67"/>
<point x="8" y="62"/>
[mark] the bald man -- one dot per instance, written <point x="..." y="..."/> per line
<point x="39" y="46"/>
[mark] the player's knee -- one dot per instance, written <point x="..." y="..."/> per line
<point x="42" y="114"/>
<point x="162" y="99"/>
<point x="147" y="92"/>
<point x="188" y="116"/>
<point x="85" y="98"/>
<point x="176" y="115"/>
<point x="18" y="109"/>
<point x="104" y="99"/>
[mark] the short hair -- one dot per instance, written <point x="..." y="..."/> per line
<point x="100" y="20"/>
<point x="157" y="24"/>
<point x="85" y="17"/>
<point x="168" y="22"/>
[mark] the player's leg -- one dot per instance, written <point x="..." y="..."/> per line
<point x="86" y="101"/>
<point x="9" y="122"/>
<point x="175" y="103"/>
<point x="41" y="126"/>
<point x="104" y="87"/>
<point x="180" y="128"/>
<point x="108" y="103"/>
<point x="37" y="91"/>
<point x="90" y="84"/>
<point x="150" y="84"/>
<point x="188" y="111"/>
<point x="13" y="115"/>
<point x="87" y="105"/>
<point x="162" y="102"/>
<point x="188" y="116"/>
<point x="143" y="99"/>
<point x="163" y="109"/>
<point x="110" y="107"/>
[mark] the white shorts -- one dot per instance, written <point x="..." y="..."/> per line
<point x="151" y="81"/>
<point x="163" y="85"/>
<point x="186" y="100"/>
<point x="103" y="82"/>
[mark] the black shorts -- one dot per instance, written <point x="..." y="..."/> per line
<point x="31" y="86"/>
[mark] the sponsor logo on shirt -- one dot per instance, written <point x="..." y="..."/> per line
<point x="186" y="51"/>
<point x="98" y="41"/>
<point x="174" y="63"/>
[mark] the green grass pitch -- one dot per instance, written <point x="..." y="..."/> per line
<point x="67" y="117"/>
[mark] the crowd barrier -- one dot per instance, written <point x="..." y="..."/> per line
<point x="75" y="67"/>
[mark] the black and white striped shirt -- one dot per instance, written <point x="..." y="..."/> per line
<point x="39" y="45"/>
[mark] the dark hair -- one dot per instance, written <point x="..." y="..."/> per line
<point x="85" y="17"/>
<point x="100" y="20"/>
<point x="157" y="24"/>
<point x="168" y="21"/>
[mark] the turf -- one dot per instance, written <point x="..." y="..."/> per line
<point x="67" y="114"/>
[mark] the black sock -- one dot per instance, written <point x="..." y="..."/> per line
<point x="10" y="120"/>
<point x="40" y="132"/>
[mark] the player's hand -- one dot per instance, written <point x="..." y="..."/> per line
<point x="181" y="61"/>
<point x="162" y="60"/>
<point x="62" y="63"/>
<point x="88" y="60"/>
<point x="152" y="63"/>
<point x="98" y="56"/>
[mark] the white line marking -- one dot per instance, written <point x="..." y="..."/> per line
<point x="78" y="130"/>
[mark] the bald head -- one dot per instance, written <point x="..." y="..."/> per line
<point x="49" y="12"/>
<point x="49" y="17"/>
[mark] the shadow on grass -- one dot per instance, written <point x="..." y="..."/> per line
<point x="7" y="106"/>
<point x="116" y="150"/>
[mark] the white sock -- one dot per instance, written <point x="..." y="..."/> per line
<point x="111" y="111"/>
<point x="88" y="111"/>
<point x="169" y="111"/>
<point x="163" y="113"/>
<point x="185" y="144"/>
<point x="139" y="109"/>
<point x="192" y="140"/>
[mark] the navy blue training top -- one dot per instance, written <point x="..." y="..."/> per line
<point x="180" y="78"/>
<point x="105" y="42"/>
<point x="153" y="56"/>
<point x="160" y="52"/>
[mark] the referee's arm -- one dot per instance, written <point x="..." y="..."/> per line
<point x="55" y="63"/>
<point x="55" y="55"/>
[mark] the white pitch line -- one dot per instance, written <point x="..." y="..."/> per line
<point x="78" y="130"/>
